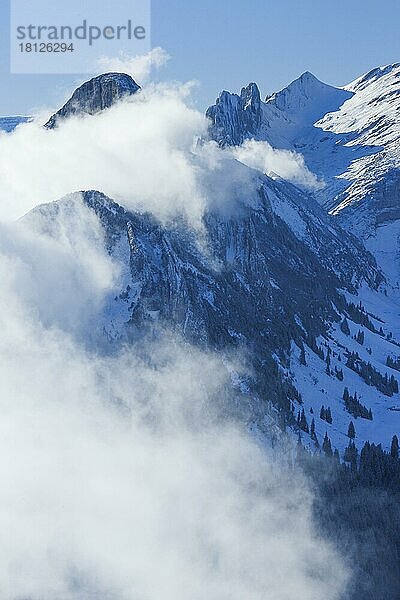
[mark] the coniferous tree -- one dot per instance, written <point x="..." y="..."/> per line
<point x="303" y="422"/>
<point x="327" y="369"/>
<point x="339" y="373"/>
<point x="360" y="337"/>
<point x="394" y="448"/>
<point x="344" y="326"/>
<point x="312" y="430"/>
<point x="328" y="361"/>
<point x="327" y="446"/>
<point x="351" y="455"/>
<point x="351" y="432"/>
<point x="322" y="414"/>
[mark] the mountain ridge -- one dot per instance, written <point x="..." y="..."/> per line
<point x="351" y="144"/>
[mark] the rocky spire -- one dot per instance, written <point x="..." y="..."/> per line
<point x="235" y="118"/>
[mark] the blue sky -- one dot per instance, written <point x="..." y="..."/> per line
<point x="224" y="44"/>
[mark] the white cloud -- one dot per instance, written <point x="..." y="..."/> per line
<point x="137" y="152"/>
<point x="63" y="270"/>
<point x="284" y="163"/>
<point x="139" y="67"/>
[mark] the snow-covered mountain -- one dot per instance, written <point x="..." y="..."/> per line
<point x="279" y="278"/>
<point x="276" y="278"/>
<point x="191" y="299"/>
<point x="349" y="139"/>
<point x="283" y="119"/>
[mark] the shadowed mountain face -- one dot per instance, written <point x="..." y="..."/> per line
<point x="95" y="95"/>
<point x="256" y="282"/>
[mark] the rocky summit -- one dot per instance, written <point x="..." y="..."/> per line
<point x="95" y="95"/>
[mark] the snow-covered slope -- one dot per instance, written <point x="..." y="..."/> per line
<point x="370" y="201"/>
<point x="321" y="385"/>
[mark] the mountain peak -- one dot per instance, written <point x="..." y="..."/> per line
<point x="309" y="77"/>
<point x="95" y="95"/>
<point x="251" y="92"/>
<point x="309" y="98"/>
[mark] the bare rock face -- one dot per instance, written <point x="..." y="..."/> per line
<point x="235" y="118"/>
<point x="95" y="95"/>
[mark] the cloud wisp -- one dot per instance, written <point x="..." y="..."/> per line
<point x="139" y="67"/>
<point x="271" y="161"/>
